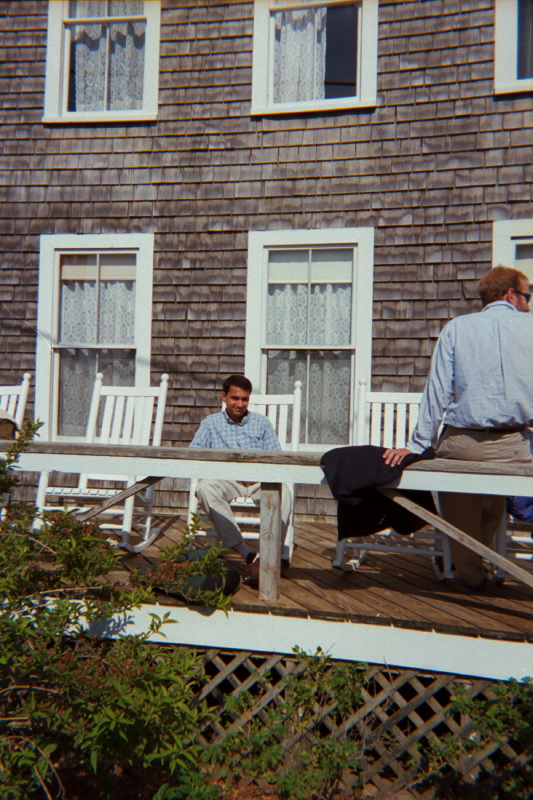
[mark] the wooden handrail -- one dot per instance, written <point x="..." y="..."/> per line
<point x="298" y="458"/>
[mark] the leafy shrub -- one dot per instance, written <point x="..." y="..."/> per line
<point x="80" y="716"/>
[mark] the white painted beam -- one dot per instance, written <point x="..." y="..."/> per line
<point x="376" y="644"/>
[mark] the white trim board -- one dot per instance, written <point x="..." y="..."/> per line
<point x="376" y="644"/>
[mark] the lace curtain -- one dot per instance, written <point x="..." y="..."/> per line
<point x="81" y="324"/>
<point x="316" y="315"/>
<point x="325" y="375"/>
<point x="77" y="369"/>
<point x="116" y="315"/>
<point x="299" y="55"/>
<point x="525" y="39"/>
<point x="328" y="321"/>
<point x="117" y="48"/>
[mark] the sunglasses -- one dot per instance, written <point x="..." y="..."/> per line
<point x="525" y="295"/>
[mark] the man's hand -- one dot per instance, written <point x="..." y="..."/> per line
<point x="393" y="457"/>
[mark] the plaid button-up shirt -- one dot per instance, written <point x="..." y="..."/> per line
<point x="218" y="431"/>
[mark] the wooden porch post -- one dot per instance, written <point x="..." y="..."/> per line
<point x="270" y="542"/>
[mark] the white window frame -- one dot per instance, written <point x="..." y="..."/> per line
<point x="506" y="50"/>
<point x="259" y="245"/>
<point x="506" y="235"/>
<point x="56" y="84"/>
<point x="367" y="48"/>
<point x="47" y="371"/>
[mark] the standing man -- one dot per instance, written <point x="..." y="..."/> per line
<point x="236" y="428"/>
<point x="480" y="386"/>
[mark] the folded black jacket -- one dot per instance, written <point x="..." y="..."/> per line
<point x="353" y="473"/>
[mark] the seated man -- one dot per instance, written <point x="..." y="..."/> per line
<point x="236" y="428"/>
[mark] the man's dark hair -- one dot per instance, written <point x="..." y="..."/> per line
<point x="239" y="381"/>
<point x="497" y="283"/>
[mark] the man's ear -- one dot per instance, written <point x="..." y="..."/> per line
<point x="510" y="297"/>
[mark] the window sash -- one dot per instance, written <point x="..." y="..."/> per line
<point x="315" y="52"/>
<point x="513" y="52"/>
<point x="118" y="98"/>
<point x="263" y="88"/>
<point x="97" y="298"/>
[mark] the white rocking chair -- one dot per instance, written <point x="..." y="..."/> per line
<point x="276" y="407"/>
<point x="13" y="399"/>
<point x="387" y="419"/>
<point x="117" y="415"/>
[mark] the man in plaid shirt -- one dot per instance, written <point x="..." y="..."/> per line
<point x="236" y="428"/>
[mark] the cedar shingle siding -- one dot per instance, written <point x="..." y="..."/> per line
<point x="438" y="160"/>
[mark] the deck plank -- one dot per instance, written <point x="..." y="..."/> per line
<point x="442" y="602"/>
<point x="387" y="589"/>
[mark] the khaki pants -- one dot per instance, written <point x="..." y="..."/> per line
<point x="215" y="498"/>
<point x="477" y="515"/>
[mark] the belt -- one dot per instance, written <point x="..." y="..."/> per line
<point x="504" y="429"/>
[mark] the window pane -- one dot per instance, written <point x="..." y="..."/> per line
<point x="330" y="314"/>
<point x="524" y="260"/>
<point x="326" y="379"/>
<point x="341" y="52"/>
<point x="77" y="369"/>
<point x="126" y="65"/>
<point x="116" y="323"/>
<point x="78" y="312"/>
<point x="125" y="8"/>
<point x="287" y="314"/>
<point x="284" y="368"/>
<point x="87" y="68"/>
<point x="299" y="55"/>
<point x="87" y="8"/>
<point x="525" y="38"/>
<point x="315" y="53"/>
<point x="117" y="367"/>
<point x="329" y="397"/>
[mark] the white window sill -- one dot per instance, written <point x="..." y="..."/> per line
<point x="349" y="103"/>
<point x="81" y="119"/>
<point x="523" y="85"/>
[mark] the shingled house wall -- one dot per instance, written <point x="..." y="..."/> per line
<point x="430" y="168"/>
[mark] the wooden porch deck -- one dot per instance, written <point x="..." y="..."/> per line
<point x="389" y="590"/>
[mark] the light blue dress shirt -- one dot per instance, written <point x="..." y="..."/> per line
<point x="481" y="374"/>
<point x="254" y="432"/>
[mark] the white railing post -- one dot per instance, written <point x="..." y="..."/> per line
<point x="296" y="415"/>
<point x="361" y="416"/>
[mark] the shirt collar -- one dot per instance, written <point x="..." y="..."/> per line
<point x="503" y="303"/>
<point x="245" y="419"/>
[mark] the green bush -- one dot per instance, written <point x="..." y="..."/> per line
<point x="83" y="717"/>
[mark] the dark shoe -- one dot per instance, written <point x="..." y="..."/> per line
<point x="481" y="586"/>
<point x="250" y="576"/>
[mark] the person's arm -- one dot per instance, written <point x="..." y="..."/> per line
<point x="270" y="440"/>
<point x="435" y="401"/>
<point x="202" y="437"/>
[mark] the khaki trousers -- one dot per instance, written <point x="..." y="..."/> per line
<point x="477" y="515"/>
<point x="215" y="498"/>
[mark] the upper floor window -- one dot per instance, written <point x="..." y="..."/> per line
<point x="513" y="71"/>
<point x="512" y="245"/>
<point x="102" y="60"/>
<point x="312" y="55"/>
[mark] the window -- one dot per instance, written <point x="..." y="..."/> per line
<point x="309" y="318"/>
<point x="311" y="55"/>
<point x="102" y="60"/>
<point x="513" y="69"/>
<point x="94" y="315"/>
<point x="512" y="245"/>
